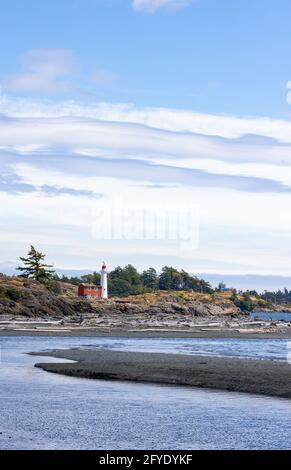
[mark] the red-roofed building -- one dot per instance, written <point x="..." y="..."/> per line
<point x="90" y="291"/>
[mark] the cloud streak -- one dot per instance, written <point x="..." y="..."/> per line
<point x="97" y="138"/>
<point x="175" y="120"/>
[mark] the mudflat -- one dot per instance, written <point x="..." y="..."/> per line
<point x="263" y="377"/>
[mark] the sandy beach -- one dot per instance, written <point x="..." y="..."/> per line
<point x="240" y="375"/>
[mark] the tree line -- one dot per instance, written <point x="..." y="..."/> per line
<point x="127" y="280"/>
<point x="121" y="281"/>
<point x="278" y="297"/>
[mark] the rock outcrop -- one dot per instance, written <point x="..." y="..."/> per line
<point x="22" y="297"/>
<point x="31" y="299"/>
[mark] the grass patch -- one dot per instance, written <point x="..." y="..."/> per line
<point x="2" y="292"/>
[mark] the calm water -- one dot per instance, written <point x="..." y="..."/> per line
<point x="47" y="411"/>
<point x="273" y="349"/>
<point x="271" y="316"/>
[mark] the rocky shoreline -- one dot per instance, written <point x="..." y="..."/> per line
<point x="237" y="375"/>
<point x="28" y="307"/>
<point x="28" y="298"/>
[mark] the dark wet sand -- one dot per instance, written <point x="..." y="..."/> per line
<point x="237" y="375"/>
<point x="158" y="333"/>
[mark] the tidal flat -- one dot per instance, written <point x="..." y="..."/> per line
<point x="265" y="377"/>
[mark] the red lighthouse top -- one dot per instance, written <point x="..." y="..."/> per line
<point x="104" y="266"/>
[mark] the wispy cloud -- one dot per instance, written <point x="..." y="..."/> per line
<point x="51" y="71"/>
<point x="151" y="6"/>
<point x="44" y="70"/>
<point x="102" y="77"/>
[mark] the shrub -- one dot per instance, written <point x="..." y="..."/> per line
<point x="13" y="294"/>
<point x="54" y="286"/>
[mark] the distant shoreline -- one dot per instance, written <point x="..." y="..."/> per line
<point x="236" y="375"/>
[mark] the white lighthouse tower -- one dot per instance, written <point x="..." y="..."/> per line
<point x="104" y="289"/>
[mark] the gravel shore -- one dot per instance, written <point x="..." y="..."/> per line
<point x="251" y="376"/>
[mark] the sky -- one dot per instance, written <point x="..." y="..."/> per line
<point x="151" y="132"/>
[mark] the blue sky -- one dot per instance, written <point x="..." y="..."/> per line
<point x="213" y="56"/>
<point x="150" y="103"/>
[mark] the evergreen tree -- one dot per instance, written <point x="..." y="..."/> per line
<point x="170" y="279"/>
<point x="34" y="267"/>
<point x="149" y="278"/>
<point x="221" y="286"/>
<point x="165" y="279"/>
<point x="125" y="281"/>
<point x="94" y="278"/>
<point x="131" y="275"/>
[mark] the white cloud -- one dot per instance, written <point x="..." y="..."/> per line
<point x="175" y="120"/>
<point x="153" y="5"/>
<point x="241" y="184"/>
<point x="260" y="214"/>
<point x="43" y="70"/>
<point x="138" y="142"/>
